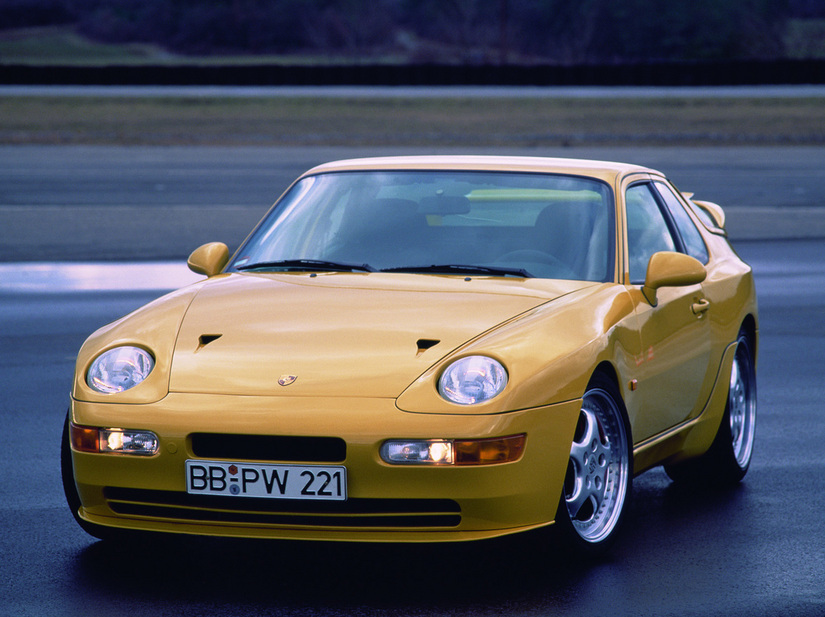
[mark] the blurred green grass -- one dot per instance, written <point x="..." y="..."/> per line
<point x="61" y="45"/>
<point x="400" y="121"/>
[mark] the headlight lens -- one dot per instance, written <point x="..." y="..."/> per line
<point x="418" y="451"/>
<point x="119" y="369"/>
<point x="472" y="380"/>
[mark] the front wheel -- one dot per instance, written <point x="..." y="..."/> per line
<point x="70" y="490"/>
<point x="599" y="472"/>
<point x="728" y="459"/>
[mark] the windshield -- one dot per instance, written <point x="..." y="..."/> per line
<point x="443" y="222"/>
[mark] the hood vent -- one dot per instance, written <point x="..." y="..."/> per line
<point x="205" y="339"/>
<point x="424" y="344"/>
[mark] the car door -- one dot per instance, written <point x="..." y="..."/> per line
<point x="673" y="369"/>
<point x="719" y="286"/>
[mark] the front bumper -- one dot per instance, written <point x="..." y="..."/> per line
<point x="386" y="503"/>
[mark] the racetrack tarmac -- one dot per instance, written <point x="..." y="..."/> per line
<point x="81" y="203"/>
<point x="755" y="551"/>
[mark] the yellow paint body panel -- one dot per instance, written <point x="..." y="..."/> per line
<point x="351" y="344"/>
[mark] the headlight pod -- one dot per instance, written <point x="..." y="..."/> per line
<point x="119" y="369"/>
<point x="472" y="380"/>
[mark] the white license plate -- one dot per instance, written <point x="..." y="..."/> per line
<point x="266" y="480"/>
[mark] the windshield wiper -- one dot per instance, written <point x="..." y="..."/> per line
<point x="307" y="265"/>
<point x="461" y="269"/>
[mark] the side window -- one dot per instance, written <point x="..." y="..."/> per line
<point x="647" y="230"/>
<point x="692" y="239"/>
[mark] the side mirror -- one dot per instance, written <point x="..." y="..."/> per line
<point x="209" y="259"/>
<point x="667" y="269"/>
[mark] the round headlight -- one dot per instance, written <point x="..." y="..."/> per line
<point x="472" y="380"/>
<point x="119" y="369"/>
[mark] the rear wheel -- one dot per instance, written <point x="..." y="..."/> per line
<point x="599" y="473"/>
<point x="728" y="458"/>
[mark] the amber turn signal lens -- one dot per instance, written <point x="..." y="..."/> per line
<point x="489" y="451"/>
<point x="84" y="439"/>
<point x="453" y="452"/>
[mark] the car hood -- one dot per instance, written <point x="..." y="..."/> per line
<point x="338" y="334"/>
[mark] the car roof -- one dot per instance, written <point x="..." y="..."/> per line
<point x="604" y="170"/>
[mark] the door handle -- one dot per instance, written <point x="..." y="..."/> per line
<point x="700" y="306"/>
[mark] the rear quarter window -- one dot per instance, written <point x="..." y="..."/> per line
<point x="691" y="238"/>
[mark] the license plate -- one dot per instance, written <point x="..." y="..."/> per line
<point x="264" y="480"/>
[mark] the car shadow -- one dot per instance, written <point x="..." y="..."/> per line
<point x="327" y="577"/>
<point x="523" y="573"/>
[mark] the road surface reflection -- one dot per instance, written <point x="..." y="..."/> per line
<point x="52" y="277"/>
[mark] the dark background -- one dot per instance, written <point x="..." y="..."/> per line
<point x="395" y="42"/>
<point x="444" y="31"/>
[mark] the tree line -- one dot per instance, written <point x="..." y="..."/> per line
<point x="436" y="31"/>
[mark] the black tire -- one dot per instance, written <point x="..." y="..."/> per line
<point x="70" y="489"/>
<point x="597" y="488"/>
<point x="727" y="460"/>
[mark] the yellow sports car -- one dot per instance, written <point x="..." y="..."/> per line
<point x="424" y="349"/>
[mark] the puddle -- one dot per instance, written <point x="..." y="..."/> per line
<point x="91" y="276"/>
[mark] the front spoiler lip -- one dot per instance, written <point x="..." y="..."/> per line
<point x="423" y="536"/>
<point x="494" y="500"/>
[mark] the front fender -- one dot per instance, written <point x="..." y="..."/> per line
<point x="550" y="353"/>
<point x="153" y="327"/>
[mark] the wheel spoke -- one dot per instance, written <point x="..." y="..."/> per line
<point x="581" y="448"/>
<point x="742" y="406"/>
<point x="596" y="457"/>
<point x="576" y="501"/>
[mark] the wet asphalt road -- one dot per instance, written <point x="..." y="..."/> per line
<point x="757" y="550"/>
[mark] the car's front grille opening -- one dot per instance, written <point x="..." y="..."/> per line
<point x="269" y="448"/>
<point x="363" y="513"/>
